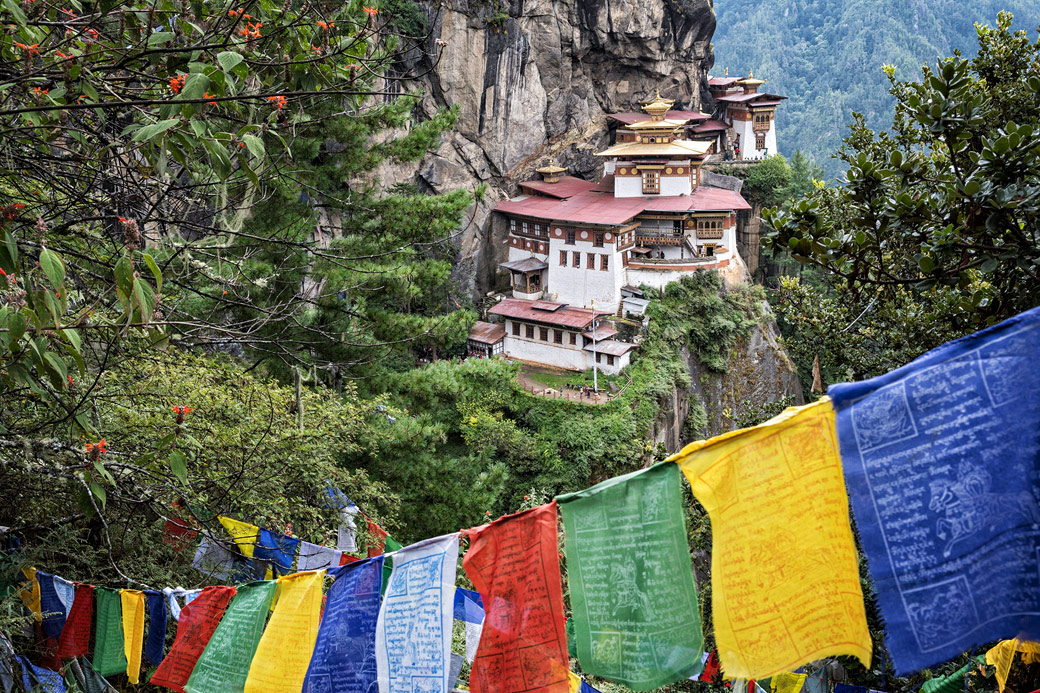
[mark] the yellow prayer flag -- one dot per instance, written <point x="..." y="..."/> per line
<point x="784" y="571"/>
<point x="1002" y="655"/>
<point x="29" y="592"/>
<point x="133" y="604"/>
<point x="281" y="659"/>
<point x="244" y="534"/>
<point x="787" y="682"/>
<point x="575" y="682"/>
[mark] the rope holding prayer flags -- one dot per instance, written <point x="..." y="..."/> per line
<point x="633" y="596"/>
<point x="515" y="565"/>
<point x="413" y="631"/>
<point x="784" y="569"/>
<point x="109" y="656"/>
<point x="281" y="659"/>
<point x="942" y="462"/>
<point x="224" y="663"/>
<point x="133" y="605"/>
<point x="197" y="622"/>
<point x="344" y="658"/>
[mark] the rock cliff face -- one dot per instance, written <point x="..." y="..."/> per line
<point x="534" y="78"/>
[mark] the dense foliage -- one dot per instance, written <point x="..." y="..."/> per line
<point x="827" y="56"/>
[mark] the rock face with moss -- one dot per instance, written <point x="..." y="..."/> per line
<point x="533" y="80"/>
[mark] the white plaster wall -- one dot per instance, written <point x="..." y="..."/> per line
<point x="675" y="185"/>
<point x="628" y="186"/>
<point x="609" y="167"/>
<point x="578" y="286"/>
<point x="655" y="278"/>
<point x="771" y="136"/>
<point x="619" y="363"/>
<point x="559" y="356"/>
<point x="745" y="130"/>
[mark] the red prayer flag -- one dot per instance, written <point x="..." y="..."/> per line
<point x="75" y="636"/>
<point x="178" y="533"/>
<point x="380" y="535"/>
<point x="46" y="648"/>
<point x="345" y="559"/>
<point x="514" y="563"/>
<point x="194" y="629"/>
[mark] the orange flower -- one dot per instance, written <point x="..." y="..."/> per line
<point x="207" y="95"/>
<point x="70" y="13"/>
<point x="372" y="11"/>
<point x="278" y="102"/>
<point x="40" y="90"/>
<point x="232" y="13"/>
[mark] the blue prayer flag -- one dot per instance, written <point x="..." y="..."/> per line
<point x="279" y="549"/>
<point x="46" y="680"/>
<point x="941" y="463"/>
<point x="344" y="659"/>
<point x="469" y="607"/>
<point x="155" y="644"/>
<point x="53" y="609"/>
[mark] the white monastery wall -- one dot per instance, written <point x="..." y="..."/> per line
<point x="548" y="353"/>
<point x="628" y="186"/>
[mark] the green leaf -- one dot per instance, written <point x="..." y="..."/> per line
<point x="9" y="253"/>
<point x="83" y="500"/>
<point x="194" y="86"/>
<point x="145" y="300"/>
<point x="16" y="12"/>
<point x="150" y="261"/>
<point x="16" y="328"/>
<point x="926" y="263"/>
<point x="99" y="493"/>
<point x="125" y="275"/>
<point x="971" y="188"/>
<point x="229" y="59"/>
<point x="150" y="131"/>
<point x="160" y="37"/>
<point x="179" y="466"/>
<point x="53" y="267"/>
<point x="219" y="159"/>
<point x="255" y="145"/>
<point x="989" y="265"/>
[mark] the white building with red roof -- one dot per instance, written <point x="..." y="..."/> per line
<point x="573" y="244"/>
<point x="744" y="121"/>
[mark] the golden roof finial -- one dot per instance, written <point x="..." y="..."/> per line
<point x="751" y="73"/>
<point x="727" y="72"/>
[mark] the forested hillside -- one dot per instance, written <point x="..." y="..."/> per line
<point x="826" y="55"/>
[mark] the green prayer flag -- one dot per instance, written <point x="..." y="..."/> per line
<point x="109" y="656"/>
<point x="635" y="610"/>
<point x="951" y="683"/>
<point x="224" y="663"/>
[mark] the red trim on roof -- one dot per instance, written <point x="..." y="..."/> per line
<point x="741" y="98"/>
<point x="722" y="81"/>
<point x="710" y="126"/>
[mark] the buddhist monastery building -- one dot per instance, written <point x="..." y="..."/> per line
<point x="575" y="245"/>
<point x="743" y="124"/>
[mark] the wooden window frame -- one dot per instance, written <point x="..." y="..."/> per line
<point x="604" y="263"/>
<point x="543" y="334"/>
<point x="574" y="338"/>
<point x="529" y="332"/>
<point x="570" y="237"/>
<point x="590" y="261"/>
<point x="610" y="359"/>
<point x="557" y="337"/>
<point x="651" y="182"/>
<point x="576" y="259"/>
<point x="563" y="258"/>
<point x="516" y="329"/>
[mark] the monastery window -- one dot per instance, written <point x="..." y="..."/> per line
<point x="543" y="334"/>
<point x="576" y="259"/>
<point x="610" y="360"/>
<point x="516" y="329"/>
<point x="512" y="226"/>
<point x="574" y="338"/>
<point x="524" y="227"/>
<point x="563" y="258"/>
<point x="570" y="236"/>
<point x="604" y="262"/>
<point x="590" y="261"/>
<point x="760" y="140"/>
<point x="529" y="331"/>
<point x="709" y="227"/>
<point x="598" y="357"/>
<point x="597" y="240"/>
<point x="557" y="337"/>
<point x="651" y="182"/>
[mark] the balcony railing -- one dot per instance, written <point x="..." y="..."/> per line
<point x="658" y="238"/>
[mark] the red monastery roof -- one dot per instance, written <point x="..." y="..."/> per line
<point x="630" y="117"/>
<point x="487" y="333"/>
<point x="722" y="81"/>
<point x="568" y="186"/>
<point x="563" y="315"/>
<point x="594" y="207"/>
<point x="741" y="98"/>
<point x="710" y="126"/>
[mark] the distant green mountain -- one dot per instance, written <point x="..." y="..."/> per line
<point x="826" y="55"/>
